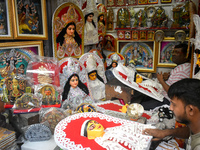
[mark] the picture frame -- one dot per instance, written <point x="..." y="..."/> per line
<point x="135" y="35"/>
<point x="166" y="1"/>
<point x="142" y="2"/>
<point x="150" y="35"/>
<point x="152" y="1"/>
<point x="30" y="20"/>
<point x="141" y="52"/>
<point x="6" y="29"/>
<point x="165" y="53"/>
<point x="64" y="14"/>
<point x="120" y="3"/>
<point x="110" y="3"/>
<point x="143" y="35"/>
<point x="21" y="52"/>
<point x="33" y="46"/>
<point x="109" y="43"/>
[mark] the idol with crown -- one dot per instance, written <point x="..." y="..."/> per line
<point x="74" y="81"/>
<point x="96" y="73"/>
<point x="68" y="31"/>
<point x="91" y="28"/>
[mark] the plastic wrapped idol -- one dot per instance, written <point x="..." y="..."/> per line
<point x="14" y="88"/>
<point x="74" y="81"/>
<point x="96" y="73"/>
<point x="44" y="73"/>
<point x="91" y="28"/>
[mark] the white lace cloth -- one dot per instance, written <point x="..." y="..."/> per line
<point x="97" y="89"/>
<point x="129" y="135"/>
<point x="129" y="131"/>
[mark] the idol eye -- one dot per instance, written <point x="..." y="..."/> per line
<point x="91" y="127"/>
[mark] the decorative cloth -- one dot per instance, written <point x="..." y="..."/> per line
<point x="126" y="132"/>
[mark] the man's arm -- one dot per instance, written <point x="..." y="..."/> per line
<point x="162" y="82"/>
<point x="158" y="134"/>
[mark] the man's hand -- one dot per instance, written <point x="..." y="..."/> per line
<point x="160" y="77"/>
<point x="166" y="76"/>
<point x="156" y="133"/>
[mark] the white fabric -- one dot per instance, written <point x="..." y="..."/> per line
<point x="97" y="88"/>
<point x="90" y="34"/>
<point x="128" y="134"/>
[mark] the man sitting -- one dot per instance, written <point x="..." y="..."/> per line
<point x="179" y="57"/>
<point x="185" y="104"/>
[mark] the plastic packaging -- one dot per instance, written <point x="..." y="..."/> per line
<point x="28" y="102"/>
<point x="52" y="115"/>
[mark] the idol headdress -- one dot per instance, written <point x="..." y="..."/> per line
<point x="68" y="67"/>
<point x="114" y="57"/>
<point x="91" y="8"/>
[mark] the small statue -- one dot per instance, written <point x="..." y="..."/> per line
<point x="123" y="18"/>
<point x="91" y="28"/>
<point x="160" y="18"/>
<point x="140" y="19"/>
<point x="96" y="74"/>
<point x="75" y="91"/>
<point x="110" y="19"/>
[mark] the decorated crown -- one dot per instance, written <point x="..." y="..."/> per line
<point x="90" y="8"/>
<point x="70" y="16"/>
<point x="71" y="68"/>
<point x="91" y="64"/>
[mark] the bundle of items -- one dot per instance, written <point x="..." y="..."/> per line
<point x="7" y="138"/>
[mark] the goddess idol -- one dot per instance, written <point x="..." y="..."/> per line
<point x="68" y="31"/>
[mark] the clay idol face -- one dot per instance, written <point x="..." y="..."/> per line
<point x="93" y="76"/>
<point x="92" y="129"/>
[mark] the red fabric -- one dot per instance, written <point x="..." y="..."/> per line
<point x="111" y="106"/>
<point x="56" y="105"/>
<point x="50" y="67"/>
<point x="8" y="106"/>
<point x="146" y="116"/>
<point x="123" y="75"/>
<point x="17" y="111"/>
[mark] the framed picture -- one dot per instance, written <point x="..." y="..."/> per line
<point x="166" y="1"/>
<point x="143" y="35"/>
<point x="110" y="3"/>
<point x="134" y="35"/>
<point x="109" y="44"/>
<point x="165" y="53"/>
<point x="152" y="1"/>
<point x="15" y="56"/>
<point x="150" y="35"/>
<point x="141" y="52"/>
<point x="120" y="3"/>
<point x="6" y="30"/>
<point x="66" y="44"/>
<point x="30" y="19"/>
<point x="142" y="2"/>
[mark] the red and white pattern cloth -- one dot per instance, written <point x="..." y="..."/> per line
<point x="180" y="72"/>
